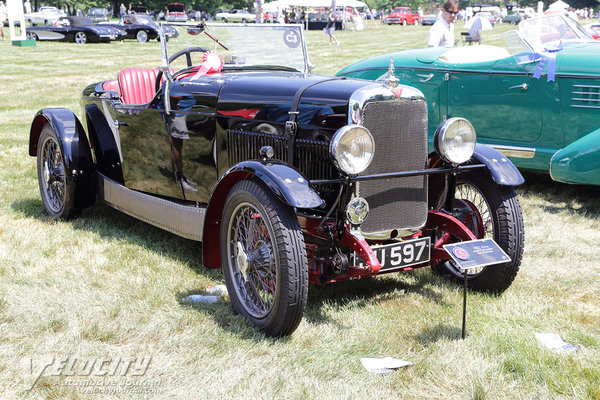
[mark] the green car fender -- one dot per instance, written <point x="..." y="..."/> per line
<point x="579" y="162"/>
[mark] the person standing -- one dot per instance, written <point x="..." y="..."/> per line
<point x="441" y="33"/>
<point x="27" y="5"/>
<point x="330" y="28"/>
<point x="3" y="17"/>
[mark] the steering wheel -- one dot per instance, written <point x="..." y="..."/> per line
<point x="187" y="52"/>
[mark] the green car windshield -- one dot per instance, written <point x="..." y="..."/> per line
<point x="550" y="32"/>
<point x="243" y="46"/>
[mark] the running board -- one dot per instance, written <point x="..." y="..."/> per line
<point x="182" y="220"/>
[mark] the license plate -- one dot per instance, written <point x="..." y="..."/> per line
<point x="399" y="255"/>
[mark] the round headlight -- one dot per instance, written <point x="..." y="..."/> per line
<point x="352" y="149"/>
<point x="455" y="140"/>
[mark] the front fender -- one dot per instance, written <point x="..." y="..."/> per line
<point x="73" y="140"/>
<point x="579" y="162"/>
<point x="502" y="170"/>
<point x="287" y="183"/>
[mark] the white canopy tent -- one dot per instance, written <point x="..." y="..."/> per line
<point x="283" y="4"/>
<point x="559" y="4"/>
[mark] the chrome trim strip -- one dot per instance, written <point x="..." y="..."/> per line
<point x="515" y="151"/>
<point x="579" y="99"/>
<point x="590" y="93"/>
<point x="577" y="106"/>
<point x="587" y="86"/>
<point x="182" y="220"/>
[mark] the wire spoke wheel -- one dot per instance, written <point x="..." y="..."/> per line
<point x="489" y="211"/>
<point x="252" y="260"/>
<point x="53" y="175"/>
<point x="264" y="258"/>
<point x="57" y="188"/>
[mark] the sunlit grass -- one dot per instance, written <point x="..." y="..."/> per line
<point x="106" y="285"/>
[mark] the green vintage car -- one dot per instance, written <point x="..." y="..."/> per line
<point x="539" y="103"/>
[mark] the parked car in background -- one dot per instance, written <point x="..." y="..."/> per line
<point x="594" y="30"/>
<point x="288" y="178"/>
<point x="96" y="14"/>
<point x="46" y="15"/>
<point x="493" y="18"/>
<point x="429" y="19"/>
<point x="402" y="15"/>
<point x="176" y="13"/>
<point x="544" y="117"/>
<point x="80" y="30"/>
<point x="143" y="28"/>
<point x="236" y="16"/>
<point x="512" y="19"/>
<point x="139" y="10"/>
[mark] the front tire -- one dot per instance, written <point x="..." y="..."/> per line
<point x="489" y="211"/>
<point x="56" y="187"/>
<point x="32" y="36"/>
<point x="264" y="258"/>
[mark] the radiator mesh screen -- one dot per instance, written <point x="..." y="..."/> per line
<point x="400" y="132"/>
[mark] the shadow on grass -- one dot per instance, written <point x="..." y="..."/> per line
<point x="581" y="200"/>
<point x="439" y="332"/>
<point x="114" y="225"/>
<point x="368" y="291"/>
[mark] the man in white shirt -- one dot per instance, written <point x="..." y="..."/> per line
<point x="441" y="33"/>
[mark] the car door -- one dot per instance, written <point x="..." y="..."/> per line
<point x="500" y="100"/>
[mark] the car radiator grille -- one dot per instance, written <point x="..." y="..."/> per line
<point x="400" y="132"/>
<point x="310" y="156"/>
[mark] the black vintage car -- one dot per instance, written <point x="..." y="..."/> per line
<point x="143" y="28"/>
<point x="287" y="178"/>
<point x="80" y="30"/>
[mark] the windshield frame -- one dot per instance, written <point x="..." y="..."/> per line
<point x="536" y="44"/>
<point x="202" y="26"/>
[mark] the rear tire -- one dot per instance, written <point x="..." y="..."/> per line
<point x="264" y="258"/>
<point x="489" y="211"/>
<point x="56" y="186"/>
<point x="80" y="38"/>
<point x="141" y="36"/>
<point x="32" y="36"/>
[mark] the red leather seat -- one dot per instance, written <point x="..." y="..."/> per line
<point x="137" y="85"/>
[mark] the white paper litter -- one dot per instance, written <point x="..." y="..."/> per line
<point x="554" y="341"/>
<point x="384" y="365"/>
<point x="220" y="290"/>
<point x="198" y="298"/>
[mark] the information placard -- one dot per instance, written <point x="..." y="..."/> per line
<point x="476" y="253"/>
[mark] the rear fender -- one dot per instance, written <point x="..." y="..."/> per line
<point x="502" y="170"/>
<point x="579" y="162"/>
<point x="287" y="183"/>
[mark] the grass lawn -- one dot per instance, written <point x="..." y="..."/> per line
<point x="106" y="288"/>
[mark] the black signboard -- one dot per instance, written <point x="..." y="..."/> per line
<point x="476" y="253"/>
